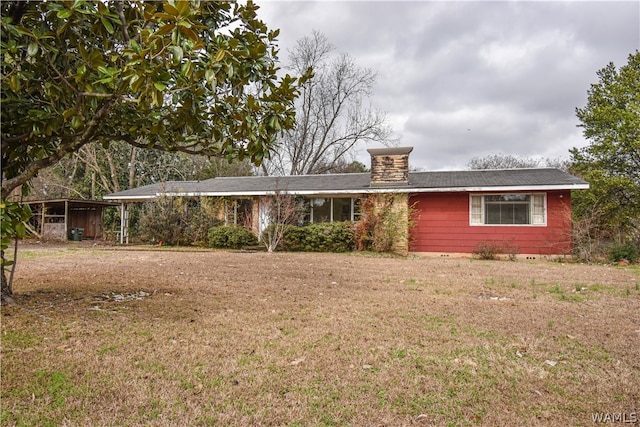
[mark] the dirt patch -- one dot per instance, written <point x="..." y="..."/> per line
<point x="219" y="338"/>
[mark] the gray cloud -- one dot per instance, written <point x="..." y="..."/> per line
<point x="465" y="79"/>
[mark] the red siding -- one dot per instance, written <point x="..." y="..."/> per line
<point x="442" y="225"/>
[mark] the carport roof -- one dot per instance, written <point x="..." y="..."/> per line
<point x="72" y="203"/>
<point x="359" y="183"/>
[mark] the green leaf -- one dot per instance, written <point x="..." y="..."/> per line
<point x="32" y="49"/>
<point x="170" y="9"/>
<point x="68" y="113"/>
<point x="107" y="25"/>
<point x="165" y="29"/>
<point x="64" y="13"/>
<point x="159" y="86"/>
<point x="136" y="83"/>
<point x="76" y="122"/>
<point x="21" y="230"/>
<point x="183" y="7"/>
<point x="178" y="54"/>
<point x="189" y="33"/>
<point x="134" y="45"/>
<point x="187" y="69"/>
<point x="14" y="83"/>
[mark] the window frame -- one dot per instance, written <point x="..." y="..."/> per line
<point x="233" y="210"/>
<point x="537" y="202"/>
<point x="353" y="213"/>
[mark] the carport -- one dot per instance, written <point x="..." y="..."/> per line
<point x="67" y="219"/>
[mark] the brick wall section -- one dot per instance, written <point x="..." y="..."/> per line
<point x="389" y="166"/>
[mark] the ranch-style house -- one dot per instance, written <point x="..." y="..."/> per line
<point x="452" y="211"/>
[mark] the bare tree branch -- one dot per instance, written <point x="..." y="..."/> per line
<point x="331" y="115"/>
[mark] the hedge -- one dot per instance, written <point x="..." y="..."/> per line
<point x="231" y="237"/>
<point x="320" y="237"/>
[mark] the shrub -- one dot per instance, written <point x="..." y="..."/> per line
<point x="177" y="221"/>
<point x="320" y="237"/>
<point x="486" y="250"/>
<point x="490" y="249"/>
<point x="624" y="251"/>
<point x="198" y="220"/>
<point x="231" y="237"/>
<point x="266" y="238"/>
<point x="385" y="223"/>
<point x="161" y="221"/>
<point x="282" y="210"/>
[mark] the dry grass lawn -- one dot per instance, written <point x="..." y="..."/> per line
<point x="107" y="337"/>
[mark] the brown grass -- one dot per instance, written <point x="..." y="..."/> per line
<point x="219" y="338"/>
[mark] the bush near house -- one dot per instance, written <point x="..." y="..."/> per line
<point x="231" y="237"/>
<point x="490" y="250"/>
<point x="320" y="237"/>
<point x="625" y="251"/>
<point x="177" y="221"/>
<point x="384" y="224"/>
<point x="161" y="221"/>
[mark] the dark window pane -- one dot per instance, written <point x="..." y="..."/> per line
<point x="341" y="210"/>
<point x="321" y="210"/>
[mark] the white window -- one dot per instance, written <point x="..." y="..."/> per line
<point x="508" y="209"/>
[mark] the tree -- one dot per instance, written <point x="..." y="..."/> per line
<point x="611" y="161"/>
<point x="509" y="161"/>
<point x="331" y="115"/>
<point x="191" y="77"/>
<point x="94" y="170"/>
<point x="281" y="211"/>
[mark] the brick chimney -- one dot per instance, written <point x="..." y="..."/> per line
<point x="389" y="166"/>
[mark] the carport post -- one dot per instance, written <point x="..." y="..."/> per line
<point x="124" y="223"/>
<point x="66" y="219"/>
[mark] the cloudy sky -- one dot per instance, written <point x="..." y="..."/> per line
<point x="468" y="79"/>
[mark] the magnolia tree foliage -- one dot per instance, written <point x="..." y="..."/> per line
<point x="611" y="161"/>
<point x="198" y="77"/>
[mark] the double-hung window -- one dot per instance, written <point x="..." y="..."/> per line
<point x="508" y="209"/>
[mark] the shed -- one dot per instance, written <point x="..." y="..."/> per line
<point x="56" y="219"/>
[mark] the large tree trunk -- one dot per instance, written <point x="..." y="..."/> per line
<point x="6" y="292"/>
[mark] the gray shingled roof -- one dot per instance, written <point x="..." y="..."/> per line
<point x="359" y="183"/>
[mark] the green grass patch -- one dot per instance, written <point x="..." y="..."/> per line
<point x="11" y="339"/>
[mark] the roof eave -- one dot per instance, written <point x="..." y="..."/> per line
<point x="500" y="188"/>
<point x="367" y="190"/>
